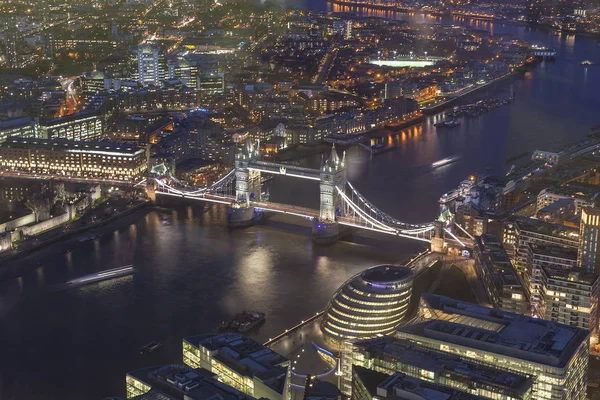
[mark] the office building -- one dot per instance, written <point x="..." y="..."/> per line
<point x="389" y="355"/>
<point x="370" y="304"/>
<point x="22" y="127"/>
<point x="179" y="382"/>
<point x="588" y="239"/>
<point x="555" y="354"/>
<point x="494" y="269"/>
<point x="210" y="85"/>
<point x="541" y="256"/>
<point x="81" y="126"/>
<point x="240" y="362"/>
<point x="64" y="158"/>
<point x="369" y="385"/>
<point x="570" y="297"/>
<point x="149" y="68"/>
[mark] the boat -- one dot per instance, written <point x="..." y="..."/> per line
<point x="244" y="321"/>
<point x="452" y="123"/>
<point x="150" y="347"/>
<point x="444" y="161"/>
<point x="448" y="197"/>
<point x="102" y="276"/>
<point x="586" y="63"/>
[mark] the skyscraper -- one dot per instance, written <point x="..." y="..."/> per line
<point x="148" y="65"/>
<point x="11" y="38"/>
<point x="588" y="239"/>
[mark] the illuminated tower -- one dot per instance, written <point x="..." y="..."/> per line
<point x="589" y="237"/>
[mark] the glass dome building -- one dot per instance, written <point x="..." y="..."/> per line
<point x="371" y="303"/>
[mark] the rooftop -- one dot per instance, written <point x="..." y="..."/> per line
<point x="72" y="146"/>
<point x="554" y="251"/>
<point x="547" y="228"/>
<point x="438" y="362"/>
<point x="386" y="273"/>
<point x="576" y="276"/>
<point x="176" y="381"/>
<point x="246" y="357"/>
<point x="401" y="386"/>
<point x="496" y="331"/>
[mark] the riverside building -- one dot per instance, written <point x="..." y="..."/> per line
<point x="175" y="382"/>
<point x="555" y="354"/>
<point x="504" y="287"/>
<point x="64" y="158"/>
<point x="241" y="363"/>
<point x="389" y="355"/>
<point x="371" y="303"/>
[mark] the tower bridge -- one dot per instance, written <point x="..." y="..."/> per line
<point x="340" y="202"/>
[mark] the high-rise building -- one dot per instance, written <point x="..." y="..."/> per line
<point x="11" y="39"/>
<point x="149" y="65"/>
<point x="527" y="230"/>
<point x="370" y="304"/>
<point x="240" y="362"/>
<point x="541" y="256"/>
<point x="504" y="287"/>
<point x="589" y="236"/>
<point x="555" y="354"/>
<point x="570" y="297"/>
<point x="389" y="355"/>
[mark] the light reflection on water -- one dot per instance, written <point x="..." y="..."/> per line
<point x="192" y="271"/>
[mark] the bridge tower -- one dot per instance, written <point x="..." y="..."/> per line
<point x="247" y="186"/>
<point x="445" y="219"/>
<point x="151" y="189"/>
<point x="333" y="176"/>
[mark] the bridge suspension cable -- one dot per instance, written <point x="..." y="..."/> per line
<point x="361" y="218"/>
<point x="385" y="218"/>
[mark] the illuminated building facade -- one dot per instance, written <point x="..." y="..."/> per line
<point x="149" y="71"/>
<point x="589" y="236"/>
<point x="527" y="230"/>
<point x="389" y="355"/>
<point x="370" y="304"/>
<point x="555" y="354"/>
<point x="22" y="127"/>
<point x="175" y="381"/>
<point x="503" y="285"/>
<point x="213" y="84"/>
<point x="80" y="127"/>
<point x="372" y="385"/>
<point x="241" y="363"/>
<point x="102" y="160"/>
<point x="571" y="297"/>
<point x="540" y="257"/>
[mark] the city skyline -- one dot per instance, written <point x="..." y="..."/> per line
<point x="345" y="199"/>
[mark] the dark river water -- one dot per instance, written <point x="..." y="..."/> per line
<point x="79" y="343"/>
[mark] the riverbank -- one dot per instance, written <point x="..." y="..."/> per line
<point x="19" y="262"/>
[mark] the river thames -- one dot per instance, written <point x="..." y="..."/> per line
<point x="193" y="271"/>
